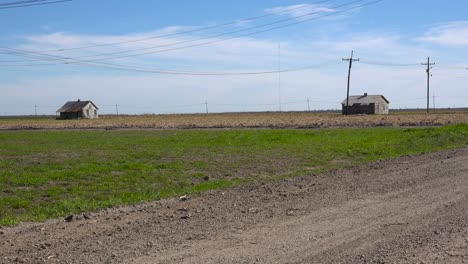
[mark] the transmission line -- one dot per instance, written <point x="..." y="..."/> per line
<point x="219" y="35"/>
<point x="122" y="67"/>
<point x="380" y="63"/>
<point x="451" y="67"/>
<point x="194" y="40"/>
<point x="19" y="4"/>
<point x="190" y="31"/>
<point x="451" y="76"/>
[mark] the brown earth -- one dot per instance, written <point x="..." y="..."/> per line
<point x="241" y="120"/>
<point x="407" y="210"/>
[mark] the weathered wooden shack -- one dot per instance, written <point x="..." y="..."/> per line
<point x="366" y="104"/>
<point x="78" y="109"/>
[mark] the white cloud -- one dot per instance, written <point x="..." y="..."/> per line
<point x="449" y="34"/>
<point x="299" y="11"/>
<point x="59" y="40"/>
<point x="235" y="53"/>
<point x="53" y="86"/>
<point x="390" y="47"/>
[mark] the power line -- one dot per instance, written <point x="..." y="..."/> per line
<point x="411" y="99"/>
<point x="21" y="2"/>
<point x="141" y="69"/>
<point x="274" y="104"/>
<point x="113" y="66"/>
<point x="188" y="41"/>
<point x="225" y="104"/>
<point x="12" y="4"/>
<point x="451" y="76"/>
<point x="149" y="70"/>
<point x="449" y="97"/>
<point x="215" y="36"/>
<point x="451" y="67"/>
<point x="235" y="22"/>
<point x="162" y="71"/>
<point x="118" y="106"/>
<point x="162" y="107"/>
<point x="392" y="64"/>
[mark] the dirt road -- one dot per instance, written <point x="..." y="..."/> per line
<point x="408" y="210"/>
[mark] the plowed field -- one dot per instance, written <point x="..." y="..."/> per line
<point x="240" y="120"/>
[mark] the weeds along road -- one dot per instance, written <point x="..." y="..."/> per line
<point x="408" y="210"/>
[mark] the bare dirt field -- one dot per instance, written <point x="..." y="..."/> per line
<point x="407" y="210"/>
<point x="241" y="120"/>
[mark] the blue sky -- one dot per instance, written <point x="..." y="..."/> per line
<point x="390" y="32"/>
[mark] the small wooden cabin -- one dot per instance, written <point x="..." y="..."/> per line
<point x="366" y="104"/>
<point x="78" y="109"/>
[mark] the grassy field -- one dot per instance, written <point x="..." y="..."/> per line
<point x="242" y="120"/>
<point x="47" y="174"/>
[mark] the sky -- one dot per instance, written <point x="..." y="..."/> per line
<point x="184" y="56"/>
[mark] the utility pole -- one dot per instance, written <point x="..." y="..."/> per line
<point x="351" y="60"/>
<point x="428" y="71"/>
<point x="117" y="109"/>
<point x="206" y="106"/>
<point x="308" y="104"/>
<point x="279" y="77"/>
<point x="35" y="110"/>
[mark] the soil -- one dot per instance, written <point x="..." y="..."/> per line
<point x="406" y="210"/>
<point x="241" y="120"/>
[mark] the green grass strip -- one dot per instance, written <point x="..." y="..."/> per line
<point x="48" y="174"/>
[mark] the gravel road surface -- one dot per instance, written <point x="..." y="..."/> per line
<point x="406" y="210"/>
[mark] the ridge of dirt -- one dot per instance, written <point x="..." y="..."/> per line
<point x="406" y="210"/>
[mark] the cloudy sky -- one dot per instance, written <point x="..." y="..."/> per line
<point x="173" y="56"/>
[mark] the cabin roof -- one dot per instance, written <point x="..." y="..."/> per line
<point x="365" y="99"/>
<point x="75" y="106"/>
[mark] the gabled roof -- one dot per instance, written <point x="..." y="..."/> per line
<point x="74" y="106"/>
<point x="365" y="99"/>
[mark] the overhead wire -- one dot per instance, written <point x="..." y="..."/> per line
<point x="218" y="40"/>
<point x="411" y="99"/>
<point x="122" y="67"/>
<point x="451" y="97"/>
<point x="21" y="2"/>
<point x="392" y="64"/>
<point x="187" y="41"/>
<point x="192" y="30"/>
<point x="450" y="76"/>
<point x="270" y="104"/>
<point x="228" y="104"/>
<point x="451" y="67"/>
<point x="11" y="5"/>
<point x="65" y="60"/>
<point x="159" y="107"/>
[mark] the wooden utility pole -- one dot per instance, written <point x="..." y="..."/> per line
<point x="279" y="78"/>
<point x="351" y="60"/>
<point x="428" y="71"/>
<point x="35" y="110"/>
<point x="117" y="109"/>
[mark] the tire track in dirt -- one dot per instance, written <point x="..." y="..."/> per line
<point x="406" y="210"/>
<point x="297" y="240"/>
